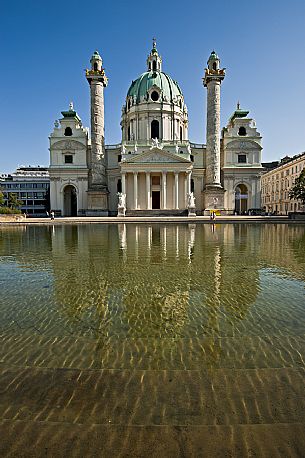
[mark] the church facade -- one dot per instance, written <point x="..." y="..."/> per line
<point x="155" y="169"/>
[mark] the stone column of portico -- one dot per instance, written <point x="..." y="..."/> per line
<point x="123" y="183"/>
<point x="214" y="192"/>
<point x="148" y="190"/>
<point x="164" y="190"/>
<point x="187" y="185"/>
<point x="135" y="189"/>
<point x="176" y="190"/>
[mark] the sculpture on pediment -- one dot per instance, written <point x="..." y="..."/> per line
<point x="155" y="144"/>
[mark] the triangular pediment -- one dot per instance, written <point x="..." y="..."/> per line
<point x="157" y="155"/>
<point x="68" y="145"/>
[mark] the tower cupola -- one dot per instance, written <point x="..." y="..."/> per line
<point x="154" y="61"/>
<point x="96" y="62"/>
<point x="213" y="62"/>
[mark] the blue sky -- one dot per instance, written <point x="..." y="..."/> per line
<point x="45" y="47"/>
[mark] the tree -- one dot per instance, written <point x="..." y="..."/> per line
<point x="13" y="201"/>
<point x="298" y="190"/>
<point x="1" y="198"/>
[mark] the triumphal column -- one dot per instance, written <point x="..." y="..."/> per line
<point x="97" y="191"/>
<point x="213" y="191"/>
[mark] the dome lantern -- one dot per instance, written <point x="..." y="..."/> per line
<point x="154" y="61"/>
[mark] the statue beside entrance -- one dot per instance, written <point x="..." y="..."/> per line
<point x="191" y="204"/>
<point x="121" y="204"/>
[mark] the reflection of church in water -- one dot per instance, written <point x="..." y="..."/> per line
<point x="151" y="280"/>
<point x="155" y="167"/>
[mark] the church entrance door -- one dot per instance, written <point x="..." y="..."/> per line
<point x="241" y="199"/>
<point x="70" y="201"/>
<point x="155" y="197"/>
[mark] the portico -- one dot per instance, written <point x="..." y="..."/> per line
<point x="156" y="180"/>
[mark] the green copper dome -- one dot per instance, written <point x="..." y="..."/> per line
<point x="141" y="86"/>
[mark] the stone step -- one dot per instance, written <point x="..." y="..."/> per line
<point x="154" y="213"/>
<point x="25" y="439"/>
<point x="154" y="397"/>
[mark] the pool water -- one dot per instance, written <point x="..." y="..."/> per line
<point x="153" y="340"/>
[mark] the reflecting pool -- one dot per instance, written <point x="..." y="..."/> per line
<point x="133" y="336"/>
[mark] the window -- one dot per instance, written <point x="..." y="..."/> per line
<point x="68" y="159"/>
<point x="68" y="132"/>
<point x="242" y="131"/>
<point x="119" y="185"/>
<point x="154" y="96"/>
<point x="192" y="185"/>
<point x="95" y="66"/>
<point x="119" y="158"/>
<point x="128" y="133"/>
<point x="155" y="129"/>
<point x="242" y="159"/>
<point x="181" y="134"/>
<point x="154" y="65"/>
<point x="191" y="157"/>
<point x="214" y="66"/>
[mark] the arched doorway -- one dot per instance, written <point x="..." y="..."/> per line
<point x="70" y="201"/>
<point x="241" y="199"/>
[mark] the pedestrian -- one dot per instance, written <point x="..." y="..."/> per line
<point x="52" y="214"/>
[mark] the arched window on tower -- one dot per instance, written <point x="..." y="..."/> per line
<point x="128" y="135"/>
<point x="214" y="66"/>
<point x="181" y="134"/>
<point x="242" y="131"/>
<point x="154" y="65"/>
<point x="68" y="132"/>
<point x="95" y="66"/>
<point x="155" y="129"/>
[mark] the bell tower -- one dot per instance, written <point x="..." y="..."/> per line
<point x="213" y="192"/>
<point x="97" y="193"/>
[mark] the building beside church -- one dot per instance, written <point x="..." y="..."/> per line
<point x="155" y="166"/>
<point x="277" y="183"/>
<point x="31" y="187"/>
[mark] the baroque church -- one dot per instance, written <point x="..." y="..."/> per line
<point x="156" y="169"/>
